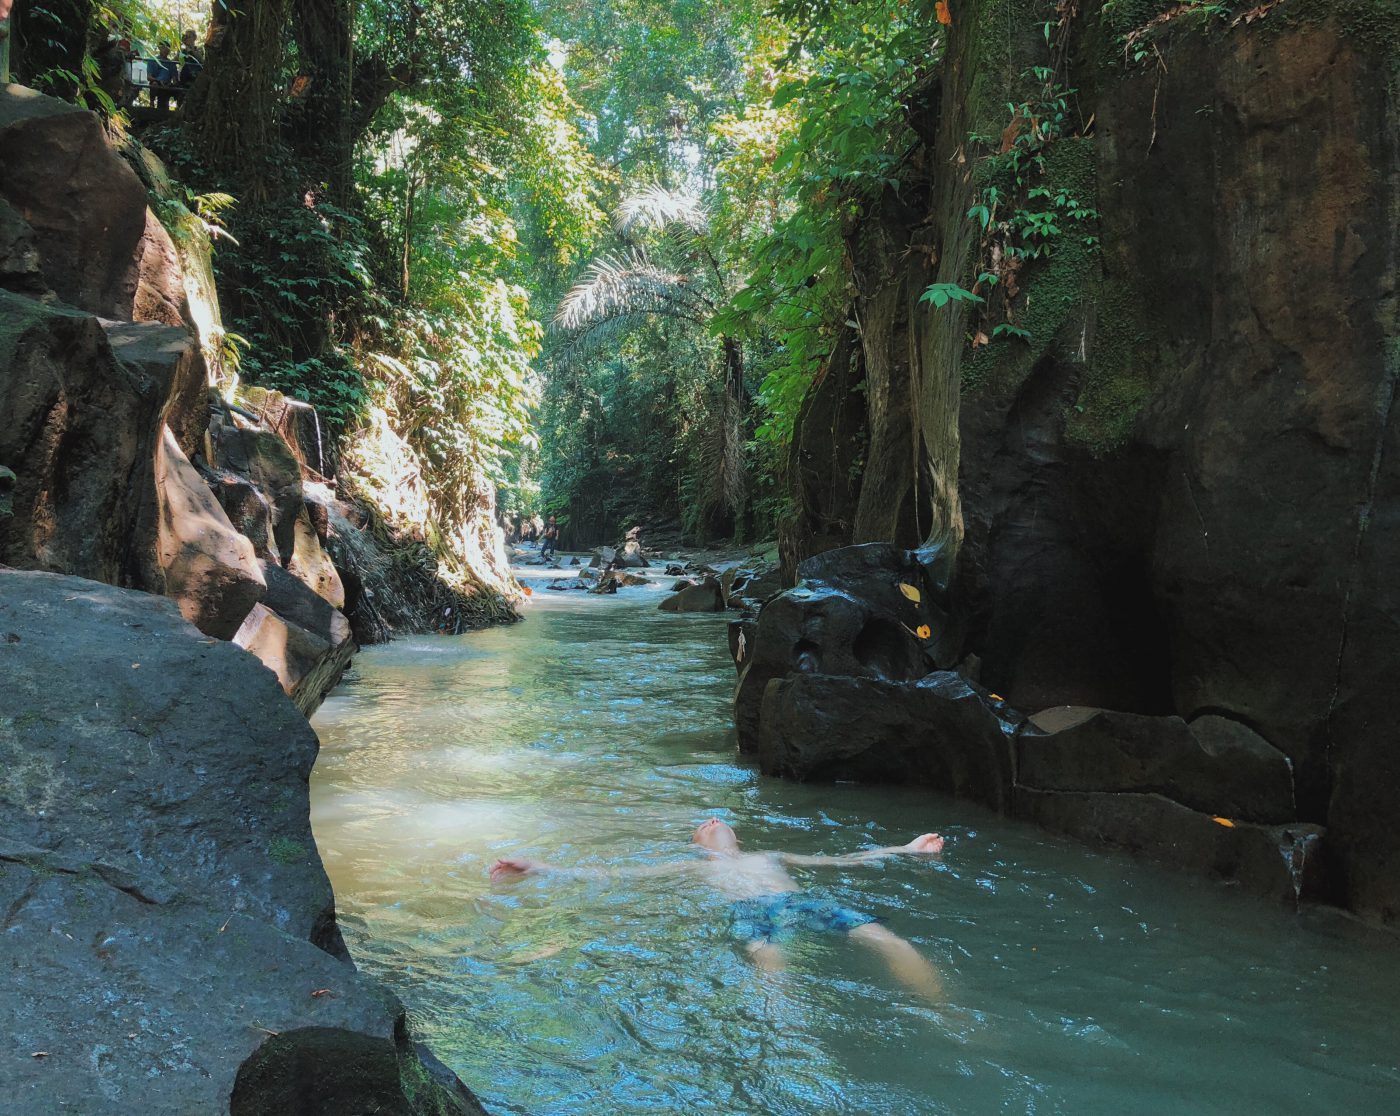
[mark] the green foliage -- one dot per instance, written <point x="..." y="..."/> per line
<point x="834" y="135"/>
<point x="940" y="294"/>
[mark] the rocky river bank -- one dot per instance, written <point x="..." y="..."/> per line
<point x="169" y="932"/>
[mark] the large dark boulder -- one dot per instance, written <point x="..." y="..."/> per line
<point x="863" y="611"/>
<point x="1214" y="764"/>
<point x="81" y="430"/>
<point x="704" y="597"/>
<point x="97" y="245"/>
<point x="940" y="732"/>
<point x="167" y="914"/>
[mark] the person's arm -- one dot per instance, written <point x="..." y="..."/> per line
<point x="928" y="844"/>
<point x="512" y="867"/>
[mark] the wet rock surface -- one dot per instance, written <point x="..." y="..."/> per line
<point x="705" y="597"/>
<point x="1213" y="765"/>
<point x="167" y="914"/>
<point x="836" y="683"/>
<point x="939" y="732"/>
<point x="848" y="616"/>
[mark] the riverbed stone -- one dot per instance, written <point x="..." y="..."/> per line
<point x="630" y="556"/>
<point x="940" y="732"/>
<point x="167" y="913"/>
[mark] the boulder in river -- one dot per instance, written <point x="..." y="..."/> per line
<point x="704" y="597"/>
<point x="630" y="556"/>
<point x="866" y="612"/>
<point x="939" y="731"/>
<point x="170" y="938"/>
<point x="1214" y="764"/>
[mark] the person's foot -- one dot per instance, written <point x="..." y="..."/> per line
<point x="928" y="844"/>
<point x="509" y="868"/>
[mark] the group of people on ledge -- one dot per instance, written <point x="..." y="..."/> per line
<point x="167" y="77"/>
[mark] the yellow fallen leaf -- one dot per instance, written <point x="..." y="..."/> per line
<point x="910" y="592"/>
<point x="923" y="631"/>
<point x="1226" y="822"/>
<point x="996" y="697"/>
<point x="941" y="11"/>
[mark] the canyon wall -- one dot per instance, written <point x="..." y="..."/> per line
<point x="1169" y="478"/>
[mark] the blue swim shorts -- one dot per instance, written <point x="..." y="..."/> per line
<point x="776" y="917"/>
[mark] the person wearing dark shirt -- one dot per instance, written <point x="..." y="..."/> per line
<point x="163" y="75"/>
<point x="191" y="59"/>
<point x="551" y="539"/>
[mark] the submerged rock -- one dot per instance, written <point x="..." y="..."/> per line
<point x="170" y="935"/>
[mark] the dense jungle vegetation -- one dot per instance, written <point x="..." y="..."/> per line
<point x="589" y="255"/>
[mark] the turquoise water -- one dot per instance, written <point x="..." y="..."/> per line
<point x="597" y="733"/>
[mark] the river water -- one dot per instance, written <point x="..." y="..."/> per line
<point x="597" y="734"/>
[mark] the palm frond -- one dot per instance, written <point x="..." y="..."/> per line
<point x="614" y="286"/>
<point x="659" y="208"/>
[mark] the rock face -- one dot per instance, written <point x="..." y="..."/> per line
<point x="107" y="404"/>
<point x="1175" y="499"/>
<point x="89" y="229"/>
<point x="170" y="939"/>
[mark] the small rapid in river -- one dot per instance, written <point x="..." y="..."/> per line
<point x="598" y="733"/>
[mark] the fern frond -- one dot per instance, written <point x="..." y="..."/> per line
<point x="615" y="286"/>
<point x="659" y="208"/>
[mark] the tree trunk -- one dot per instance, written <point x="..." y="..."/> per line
<point x="319" y="121"/>
<point x="230" y="116"/>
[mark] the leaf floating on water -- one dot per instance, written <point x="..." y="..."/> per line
<point x="322" y="992"/>
<point x="910" y="592"/>
<point x="996" y="697"/>
<point x="923" y="631"/>
<point x="1226" y="822"/>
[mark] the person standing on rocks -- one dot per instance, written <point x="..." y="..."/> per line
<point x="767" y="907"/>
<point x="550" y="541"/>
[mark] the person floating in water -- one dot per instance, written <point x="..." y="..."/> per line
<point x="767" y="904"/>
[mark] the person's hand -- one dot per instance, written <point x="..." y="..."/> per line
<point x="927" y="844"/>
<point x="511" y="867"/>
